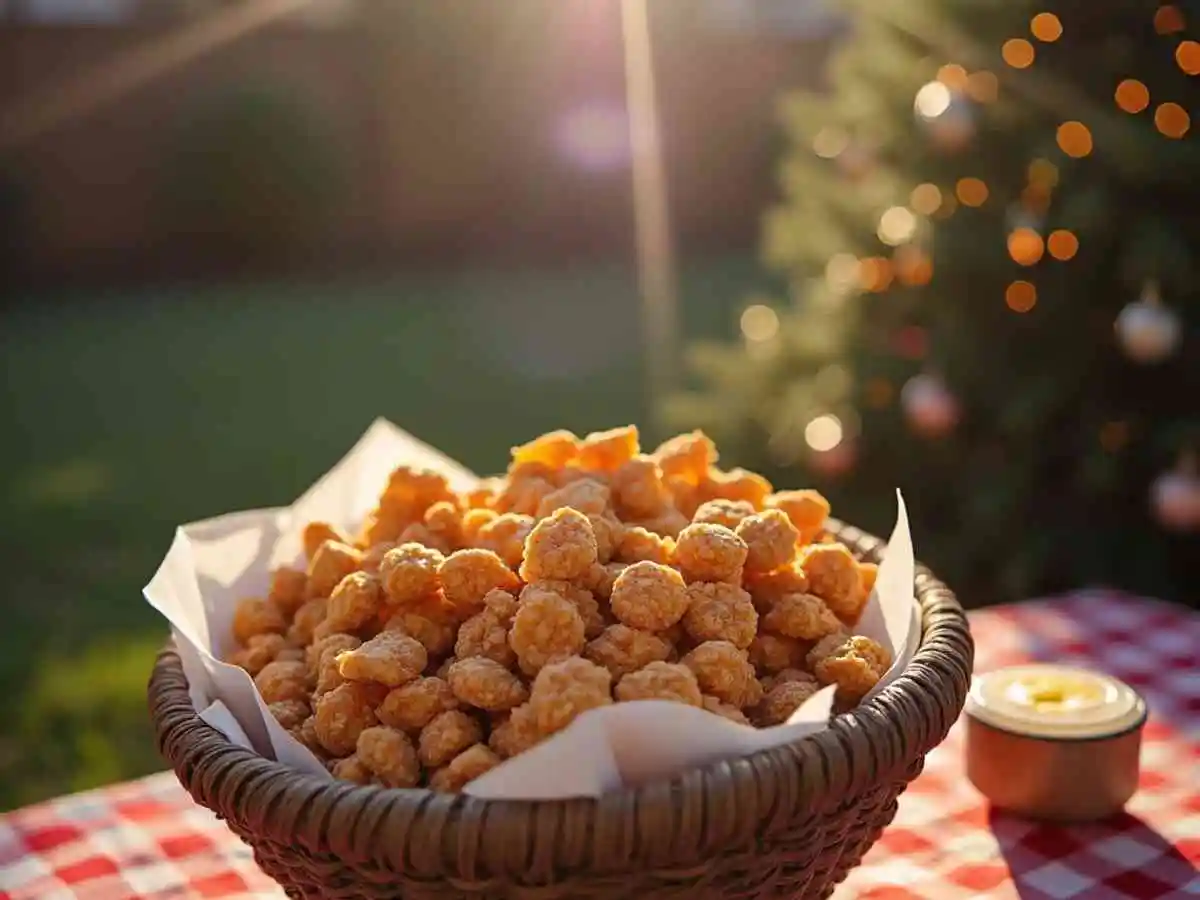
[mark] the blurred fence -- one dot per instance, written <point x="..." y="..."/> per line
<point x="484" y="130"/>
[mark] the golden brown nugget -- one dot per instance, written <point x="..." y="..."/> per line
<point x="669" y="523"/>
<point x="807" y="509"/>
<point x="622" y="650"/>
<point x="505" y="536"/>
<point x="719" y="611"/>
<point x="638" y="544"/>
<point x="724" y="710"/>
<point x="802" y="616"/>
<point x="583" y="599"/>
<point x="485" y="635"/>
<point x="355" y="602"/>
<point x="738" y="484"/>
<point x="786" y="675"/>
<point x="607" y="451"/>
<point x="638" y="490"/>
<point x="255" y="616"/>
<point x="280" y="681"/>
<point x="420" y="533"/>
<point x="546" y="627"/>
<point x="342" y="714"/>
<point x="409" y="573"/>
<point x="328" y="674"/>
<point x="389" y="755"/>
<point x="778" y="705"/>
<point x="373" y="557"/>
<point x="723" y="671"/>
<point x="710" y="553"/>
<point x="833" y="575"/>
<point x="412" y="706"/>
<point x="351" y="769"/>
<point x="516" y="733"/>
<point x="775" y="653"/>
<point x="770" y="538"/>
<point x="600" y="578"/>
<point x="608" y="531"/>
<point x="522" y="494"/>
<point x="306" y="734"/>
<point x="445" y="522"/>
<point x="687" y="497"/>
<point x="586" y="495"/>
<point x="260" y="649"/>
<point x="430" y="622"/>
<point x="485" y="684"/>
<point x="474" y="520"/>
<point x="766" y="588"/>
<point x="306" y="620"/>
<point x="661" y="681"/>
<point x="855" y="667"/>
<point x="687" y="456"/>
<point x="827" y="646"/>
<point x="728" y="513"/>
<point x="289" y="589"/>
<point x="483" y="494"/>
<point x="473" y="762"/>
<point x="332" y="561"/>
<point x="468" y="575"/>
<point x="416" y="489"/>
<point x="446" y="736"/>
<point x="317" y="533"/>
<point x="562" y="545"/>
<point x="390" y="658"/>
<point x="553" y="449"/>
<point x="649" y="596"/>
<point x="290" y="713"/>
<point x="566" y="689"/>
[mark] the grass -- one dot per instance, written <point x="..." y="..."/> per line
<point x="126" y="414"/>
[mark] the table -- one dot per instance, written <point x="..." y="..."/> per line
<point x="146" y="838"/>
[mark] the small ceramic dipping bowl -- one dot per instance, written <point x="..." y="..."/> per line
<point x="1054" y="743"/>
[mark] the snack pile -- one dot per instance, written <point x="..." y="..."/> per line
<point x="457" y="630"/>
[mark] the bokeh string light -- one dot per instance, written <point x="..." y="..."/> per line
<point x="1020" y="296"/>
<point x="1168" y="20"/>
<point x="1025" y="246"/>
<point x="759" y="323"/>
<point x="953" y="76"/>
<point x="1018" y="53"/>
<point x="1132" y="96"/>
<point x="1074" y="139"/>
<point x="897" y="226"/>
<point x="925" y="198"/>
<point x="1046" y="27"/>
<point x="971" y="192"/>
<point x="1062" y="244"/>
<point x="875" y="274"/>
<point x="1172" y="120"/>
<point x="1187" y="55"/>
<point x="983" y="86"/>
<point x="913" y="266"/>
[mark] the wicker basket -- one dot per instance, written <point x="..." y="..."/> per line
<point x="788" y="822"/>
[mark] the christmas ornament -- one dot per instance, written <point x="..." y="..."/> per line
<point x="947" y="115"/>
<point x="835" y="462"/>
<point x="929" y="406"/>
<point x="1175" y="498"/>
<point x="1148" y="331"/>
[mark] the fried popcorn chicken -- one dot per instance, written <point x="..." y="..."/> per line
<point x="584" y="600"/>
<point x="317" y="533"/>
<point x="553" y="449"/>
<point x="476" y="760"/>
<point x="505" y="536"/>
<point x="833" y="575"/>
<point x="255" y="616"/>
<point x="412" y="706"/>
<point x="289" y="589"/>
<point x="719" y="611"/>
<point x="807" y="509"/>
<point x="391" y="658"/>
<point x="409" y="573"/>
<point x="724" y="710"/>
<point x="868" y="573"/>
<point x="661" y="681"/>
<point x="771" y="539"/>
<point x="776" y="653"/>
<point x="389" y="755"/>
<point x="473" y="521"/>
<point x="260" y="649"/>
<point x="649" y="596"/>
<point x="638" y="490"/>
<point x="323" y="667"/>
<point x="444" y="521"/>
<point x="855" y="666"/>
<point x="416" y="489"/>
<point x="516" y="733"/>
<point x="599" y="578"/>
<point x="564" y="690"/>
<point x="640" y="545"/>
<point x="608" y="530"/>
<point x="563" y="545"/>
<point x="468" y="575"/>
<point x="485" y="635"/>
<point x="446" y="736"/>
<point x="501" y="604"/>
<point x="280" y="681"/>
<point x="783" y="677"/>
<point x="373" y="556"/>
<point x="687" y="456"/>
<point x="485" y="684"/>
<point x="687" y="496"/>
<point x="351" y="769"/>
<point x="738" y="484"/>
<point x="307" y="618"/>
<point x="722" y="512"/>
<point x="585" y="495"/>
<point x="669" y="523"/>
<point x="723" y="670"/>
<point x="766" y="588"/>
<point x="342" y="714"/>
<point x="607" y="451"/>
<point x="710" y="553"/>
<point x="826" y="646"/>
<point x="290" y="713"/>
<point x="802" y="616"/>
<point x="522" y="495"/>
<point x="622" y="650"/>
<point x="355" y="601"/>
<point x="547" y="627"/>
<point x="306" y="734"/>
<point x="431" y="621"/>
<point x="384" y="526"/>
<point x="331" y="562"/>
<point x="779" y="703"/>
<point x="420" y="533"/>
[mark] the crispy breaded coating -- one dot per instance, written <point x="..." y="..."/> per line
<point x="516" y="733"/>
<point x="391" y="658"/>
<point x="260" y="649"/>
<point x="562" y="545"/>
<point x="607" y="451"/>
<point x="661" y="681"/>
<point x="687" y="456"/>
<point x="710" y="553"/>
<point x="476" y="760"/>
<point x="505" y="536"/>
<point x="343" y="713"/>
<point x="446" y="736"/>
<point x="585" y="495"/>
<point x="770" y="538"/>
<point x="649" y="596"/>
<point x="412" y="706"/>
<point x="331" y="562"/>
<point x="357" y="600"/>
<point x="719" y="611"/>
<point x="807" y="510"/>
<point x="728" y="513"/>
<point x="317" y="533"/>
<point x="468" y="575"/>
<point x="805" y="617"/>
<point x="485" y="684"/>
<point x="724" y="671"/>
<point x="640" y="545"/>
<point x="280" y="681"/>
<point x="622" y="650"/>
<point x="564" y="690"/>
<point x="855" y="666"/>
<point x="638" y="490"/>
<point x="776" y="653"/>
<point x="289" y="589"/>
<point x="389" y="755"/>
<point x="254" y="616"/>
<point x="834" y="576"/>
<point x="553" y="449"/>
<point x="547" y="627"/>
<point x="779" y="703"/>
<point x="724" y="710"/>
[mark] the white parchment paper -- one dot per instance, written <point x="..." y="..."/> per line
<point x="213" y="564"/>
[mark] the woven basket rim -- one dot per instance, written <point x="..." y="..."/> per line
<point x="896" y="727"/>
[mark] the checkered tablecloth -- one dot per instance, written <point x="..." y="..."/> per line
<point x="147" y="839"/>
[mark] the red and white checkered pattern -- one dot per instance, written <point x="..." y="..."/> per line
<point x="146" y="839"/>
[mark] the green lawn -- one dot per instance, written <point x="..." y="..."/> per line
<point x="124" y="415"/>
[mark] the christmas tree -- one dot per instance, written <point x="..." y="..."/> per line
<point x="989" y="241"/>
